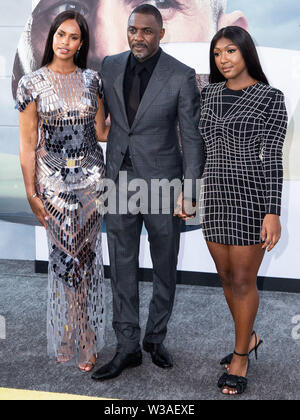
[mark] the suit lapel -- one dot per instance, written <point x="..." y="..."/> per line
<point x="157" y="82"/>
<point x="119" y="83"/>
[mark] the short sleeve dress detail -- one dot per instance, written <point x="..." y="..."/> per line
<point x="244" y="132"/>
<point x="69" y="180"/>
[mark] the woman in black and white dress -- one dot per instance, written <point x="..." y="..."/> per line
<point x="243" y="123"/>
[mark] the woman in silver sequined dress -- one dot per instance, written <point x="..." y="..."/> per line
<point x="61" y="121"/>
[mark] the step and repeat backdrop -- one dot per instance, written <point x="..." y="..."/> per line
<point x="190" y="25"/>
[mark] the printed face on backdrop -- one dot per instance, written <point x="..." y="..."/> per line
<point x="184" y="21"/>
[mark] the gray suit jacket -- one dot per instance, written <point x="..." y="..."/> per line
<point x="172" y="96"/>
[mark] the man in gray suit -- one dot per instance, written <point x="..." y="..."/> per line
<point x="147" y="93"/>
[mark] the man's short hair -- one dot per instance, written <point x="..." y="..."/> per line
<point x="148" y="9"/>
<point x="217" y="7"/>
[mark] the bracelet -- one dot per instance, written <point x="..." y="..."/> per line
<point x="32" y="196"/>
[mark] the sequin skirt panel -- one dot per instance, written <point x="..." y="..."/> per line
<point x="76" y="314"/>
<point x="71" y="186"/>
<point x="75" y="325"/>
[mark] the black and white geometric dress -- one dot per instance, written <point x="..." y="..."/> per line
<point x="244" y="132"/>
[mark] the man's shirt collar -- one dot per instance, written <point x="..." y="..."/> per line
<point x="148" y="65"/>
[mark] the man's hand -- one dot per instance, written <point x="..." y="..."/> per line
<point x="185" y="209"/>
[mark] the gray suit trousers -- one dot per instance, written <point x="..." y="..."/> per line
<point x="123" y="233"/>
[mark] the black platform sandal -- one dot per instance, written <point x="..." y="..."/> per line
<point x="228" y="359"/>
<point x="239" y="383"/>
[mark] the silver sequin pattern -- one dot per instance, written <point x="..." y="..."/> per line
<point x="69" y="179"/>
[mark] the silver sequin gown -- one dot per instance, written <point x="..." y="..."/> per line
<point x="69" y="179"/>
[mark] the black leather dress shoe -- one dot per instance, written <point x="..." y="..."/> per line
<point x="116" y="366"/>
<point x="159" y="354"/>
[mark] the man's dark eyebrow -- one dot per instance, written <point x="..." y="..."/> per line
<point x="143" y="29"/>
<point x="138" y="3"/>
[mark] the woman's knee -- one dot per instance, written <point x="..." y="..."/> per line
<point x="226" y="277"/>
<point x="243" y="285"/>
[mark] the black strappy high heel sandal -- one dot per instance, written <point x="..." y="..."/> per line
<point x="228" y="359"/>
<point x="239" y="383"/>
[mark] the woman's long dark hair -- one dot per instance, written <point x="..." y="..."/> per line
<point x="80" y="59"/>
<point x="244" y="42"/>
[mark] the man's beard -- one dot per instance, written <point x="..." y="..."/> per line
<point x="141" y="56"/>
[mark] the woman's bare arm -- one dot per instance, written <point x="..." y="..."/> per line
<point x="102" y="129"/>
<point x="28" y="120"/>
